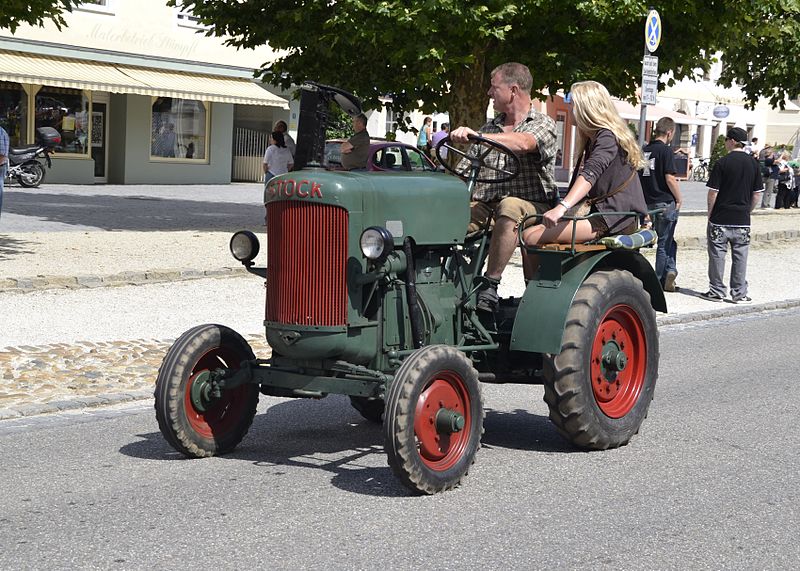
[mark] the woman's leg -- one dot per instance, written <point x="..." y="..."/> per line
<point x="561" y="233"/>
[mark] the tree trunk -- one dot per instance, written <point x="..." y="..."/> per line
<point x="467" y="98"/>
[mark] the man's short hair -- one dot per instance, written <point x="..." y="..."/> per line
<point x="665" y="125"/>
<point x="361" y="118"/>
<point x="514" y="72"/>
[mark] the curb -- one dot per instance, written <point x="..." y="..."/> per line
<point x="88" y="281"/>
<point x="35" y="409"/>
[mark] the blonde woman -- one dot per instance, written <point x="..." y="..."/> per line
<point x="605" y="178"/>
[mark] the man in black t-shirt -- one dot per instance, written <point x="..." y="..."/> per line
<point x="661" y="190"/>
<point x="734" y="190"/>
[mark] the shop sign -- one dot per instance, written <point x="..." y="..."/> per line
<point x="721" y="111"/>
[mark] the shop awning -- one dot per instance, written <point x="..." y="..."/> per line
<point x="100" y="76"/>
<point x="654" y="113"/>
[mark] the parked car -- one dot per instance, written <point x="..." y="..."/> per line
<point x="383" y="156"/>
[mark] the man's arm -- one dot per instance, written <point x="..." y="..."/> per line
<point x="675" y="189"/>
<point x="712" y="198"/>
<point x="755" y="200"/>
<point x="517" y="142"/>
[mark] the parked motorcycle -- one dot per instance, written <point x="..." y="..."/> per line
<point x="23" y="163"/>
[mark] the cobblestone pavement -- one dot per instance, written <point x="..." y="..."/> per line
<point x="49" y="378"/>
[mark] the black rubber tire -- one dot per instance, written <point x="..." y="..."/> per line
<point x="370" y="409"/>
<point x="221" y="428"/>
<point x="36" y="170"/>
<point x="424" y="370"/>
<point x="568" y="389"/>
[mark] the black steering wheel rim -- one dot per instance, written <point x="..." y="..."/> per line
<point x="479" y="159"/>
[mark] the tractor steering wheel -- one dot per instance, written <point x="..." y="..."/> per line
<point x="476" y="159"/>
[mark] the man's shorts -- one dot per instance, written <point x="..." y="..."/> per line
<point x="510" y="207"/>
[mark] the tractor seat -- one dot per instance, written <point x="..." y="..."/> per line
<point x="639" y="239"/>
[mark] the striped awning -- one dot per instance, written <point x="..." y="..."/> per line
<point x="99" y="76"/>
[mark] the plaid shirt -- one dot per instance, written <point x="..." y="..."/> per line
<point x="536" y="180"/>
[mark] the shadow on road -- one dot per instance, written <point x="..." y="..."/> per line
<point x="10" y="247"/>
<point x="329" y="435"/>
<point x="143" y="213"/>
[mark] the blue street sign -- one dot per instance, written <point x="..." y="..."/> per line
<point x="652" y="31"/>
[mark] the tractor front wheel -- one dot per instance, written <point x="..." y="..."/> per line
<point x="434" y="419"/>
<point x="600" y="385"/>
<point x="194" y="420"/>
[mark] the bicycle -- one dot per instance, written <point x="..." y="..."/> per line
<point x="700" y="172"/>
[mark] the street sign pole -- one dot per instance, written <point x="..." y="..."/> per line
<point x="649" y="88"/>
<point x="643" y="111"/>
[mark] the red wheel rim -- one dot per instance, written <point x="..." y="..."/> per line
<point x="616" y="392"/>
<point x="225" y="413"/>
<point x="440" y="450"/>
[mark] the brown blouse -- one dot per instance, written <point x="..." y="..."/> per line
<point x="605" y="166"/>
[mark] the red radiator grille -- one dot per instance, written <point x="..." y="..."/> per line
<point x="306" y="263"/>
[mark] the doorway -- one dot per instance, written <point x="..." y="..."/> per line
<point x="100" y="137"/>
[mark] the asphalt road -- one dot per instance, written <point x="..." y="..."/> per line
<point x="710" y="483"/>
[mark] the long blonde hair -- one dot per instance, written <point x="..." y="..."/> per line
<point x="594" y="110"/>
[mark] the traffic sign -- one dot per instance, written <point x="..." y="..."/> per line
<point x="649" y="90"/>
<point x="652" y="31"/>
<point x="650" y="66"/>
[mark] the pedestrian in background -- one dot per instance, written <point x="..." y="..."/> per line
<point x="734" y="190"/>
<point x="437" y="138"/>
<point x="278" y="159"/>
<point x="282" y="128"/>
<point x="4" y="143"/>
<point x="661" y="191"/>
<point x="784" y="198"/>
<point x="769" y="174"/>
<point x="425" y="136"/>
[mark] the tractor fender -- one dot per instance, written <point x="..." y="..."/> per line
<point x="542" y="312"/>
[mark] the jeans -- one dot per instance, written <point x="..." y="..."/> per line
<point x="667" y="248"/>
<point x="718" y="239"/>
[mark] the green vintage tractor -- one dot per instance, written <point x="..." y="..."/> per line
<point x="371" y="290"/>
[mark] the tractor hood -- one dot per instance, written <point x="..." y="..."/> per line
<point x="432" y="208"/>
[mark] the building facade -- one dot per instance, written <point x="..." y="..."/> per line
<point x="139" y="95"/>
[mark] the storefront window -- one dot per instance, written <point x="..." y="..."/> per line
<point x="14" y="112"/>
<point x="178" y="129"/>
<point x="67" y="110"/>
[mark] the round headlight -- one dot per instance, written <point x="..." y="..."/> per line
<point x="244" y="246"/>
<point x="376" y="243"/>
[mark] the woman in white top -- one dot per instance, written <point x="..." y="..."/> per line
<point x="278" y="159"/>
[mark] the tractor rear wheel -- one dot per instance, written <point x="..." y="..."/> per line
<point x="191" y="419"/>
<point x="434" y="419"/>
<point x="600" y="385"/>
<point x="370" y="408"/>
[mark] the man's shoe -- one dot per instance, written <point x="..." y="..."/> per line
<point x="669" y="281"/>
<point x="487" y="298"/>
<point x="744" y="299"/>
<point x="711" y="296"/>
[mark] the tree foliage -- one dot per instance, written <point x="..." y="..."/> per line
<point x="440" y="52"/>
<point x="762" y="61"/>
<point x="34" y="12"/>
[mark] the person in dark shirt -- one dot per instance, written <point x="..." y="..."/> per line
<point x="661" y="191"/>
<point x="355" y="150"/>
<point x="734" y="190"/>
